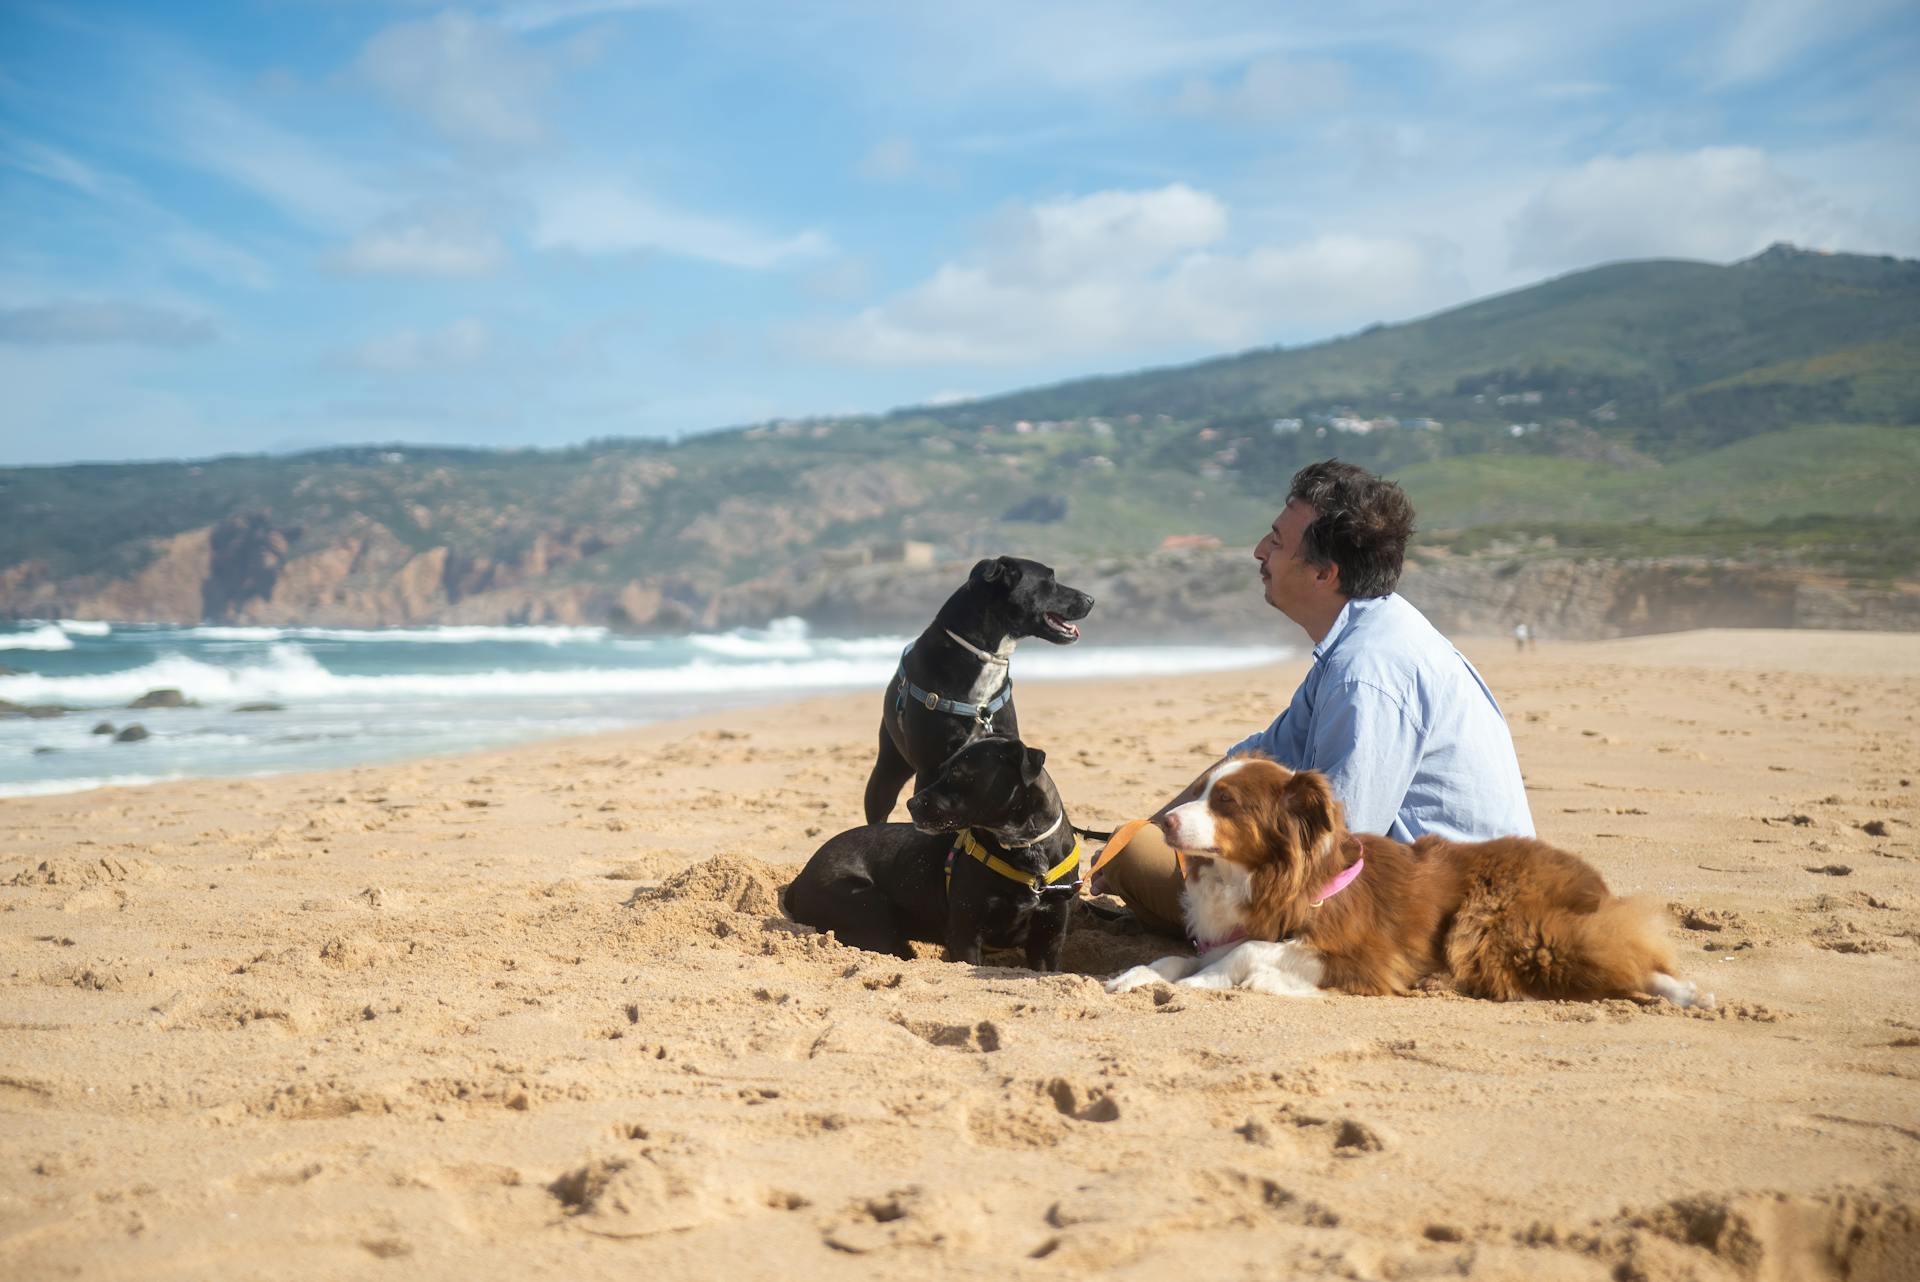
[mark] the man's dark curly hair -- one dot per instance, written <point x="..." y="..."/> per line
<point x="1363" y="526"/>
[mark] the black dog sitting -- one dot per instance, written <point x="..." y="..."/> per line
<point x="989" y="859"/>
<point x="953" y="683"/>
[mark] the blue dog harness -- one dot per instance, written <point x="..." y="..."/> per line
<point x="980" y="712"/>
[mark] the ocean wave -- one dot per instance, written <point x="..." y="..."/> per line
<point x="790" y="638"/>
<point x="290" y="673"/>
<point x="85" y="627"/>
<point x="453" y="634"/>
<point x="48" y="636"/>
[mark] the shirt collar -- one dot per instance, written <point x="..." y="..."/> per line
<point x="1349" y="615"/>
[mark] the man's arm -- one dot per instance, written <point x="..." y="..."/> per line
<point x="1369" y="748"/>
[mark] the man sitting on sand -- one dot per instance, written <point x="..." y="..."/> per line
<point x="1395" y="717"/>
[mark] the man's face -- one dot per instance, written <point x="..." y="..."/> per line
<point x="1286" y="579"/>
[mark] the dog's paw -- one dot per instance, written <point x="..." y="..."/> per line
<point x="1139" y="977"/>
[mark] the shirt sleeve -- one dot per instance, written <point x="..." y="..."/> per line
<point x="1368" y="747"/>
<point x="1286" y="739"/>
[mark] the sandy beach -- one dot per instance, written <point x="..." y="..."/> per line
<point x="534" y="1013"/>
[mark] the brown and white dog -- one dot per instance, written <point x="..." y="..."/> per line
<point x="1281" y="898"/>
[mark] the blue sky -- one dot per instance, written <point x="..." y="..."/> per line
<point x="294" y="223"/>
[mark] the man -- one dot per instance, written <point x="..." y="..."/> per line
<point x="1395" y="717"/>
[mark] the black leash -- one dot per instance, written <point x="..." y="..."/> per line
<point x="1093" y="833"/>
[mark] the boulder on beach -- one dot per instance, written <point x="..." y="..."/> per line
<point x="35" y="711"/>
<point x="132" y="734"/>
<point x="261" y="707"/>
<point x="167" y="698"/>
<point x="105" y="727"/>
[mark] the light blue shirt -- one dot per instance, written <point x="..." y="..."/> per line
<point x="1404" y="729"/>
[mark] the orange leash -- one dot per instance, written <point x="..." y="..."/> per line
<point x="1125" y="833"/>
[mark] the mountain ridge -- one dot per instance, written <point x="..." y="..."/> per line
<point x="1663" y="391"/>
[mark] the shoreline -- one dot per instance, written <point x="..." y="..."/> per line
<point x="263" y="709"/>
<point x="533" y="1009"/>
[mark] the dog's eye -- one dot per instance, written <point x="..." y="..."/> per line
<point x="1224" y="804"/>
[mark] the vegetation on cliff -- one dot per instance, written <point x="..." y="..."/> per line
<point x="1765" y="410"/>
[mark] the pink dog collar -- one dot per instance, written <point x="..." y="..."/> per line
<point x="1342" y="880"/>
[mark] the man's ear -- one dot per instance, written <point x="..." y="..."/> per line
<point x="1032" y="763"/>
<point x="1328" y="575"/>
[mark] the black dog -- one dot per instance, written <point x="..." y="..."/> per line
<point x="989" y="859"/>
<point x="953" y="683"/>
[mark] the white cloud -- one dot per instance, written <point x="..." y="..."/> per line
<point x="1118" y="273"/>
<point x="470" y="79"/>
<point x="1112" y="232"/>
<point x="91" y="323"/>
<point x="1268" y="90"/>
<point x="1767" y="34"/>
<point x="604" y="219"/>
<point x="464" y="343"/>
<point x="426" y="244"/>
<point x="1718" y="203"/>
<point x="237" y="143"/>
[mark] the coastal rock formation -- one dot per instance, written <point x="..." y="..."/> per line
<point x="247" y="569"/>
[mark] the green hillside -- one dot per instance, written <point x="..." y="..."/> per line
<point x="1667" y="357"/>
<point x="1765" y="410"/>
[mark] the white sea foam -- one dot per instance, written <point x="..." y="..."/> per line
<point x="790" y="638"/>
<point x="290" y="673"/>
<point x="47" y="636"/>
<point x="450" y="635"/>
<point x="85" y="627"/>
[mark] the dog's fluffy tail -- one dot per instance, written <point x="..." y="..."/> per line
<point x="1613" y="951"/>
<point x="1561" y="954"/>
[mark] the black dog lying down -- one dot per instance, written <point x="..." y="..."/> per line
<point x="989" y="859"/>
<point x="954" y="684"/>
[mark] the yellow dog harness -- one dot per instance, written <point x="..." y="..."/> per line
<point x="1035" y="882"/>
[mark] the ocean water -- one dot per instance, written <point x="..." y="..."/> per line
<point x="350" y="695"/>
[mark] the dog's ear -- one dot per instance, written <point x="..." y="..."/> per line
<point x="986" y="571"/>
<point x="1310" y="799"/>
<point x="1032" y="763"/>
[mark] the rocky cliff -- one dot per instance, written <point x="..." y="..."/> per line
<point x="1215" y="593"/>
<point x="248" y="569"/>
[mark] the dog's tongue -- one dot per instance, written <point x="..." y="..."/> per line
<point x="1061" y="625"/>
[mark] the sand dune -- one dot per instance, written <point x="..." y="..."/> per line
<point x="534" y="1012"/>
